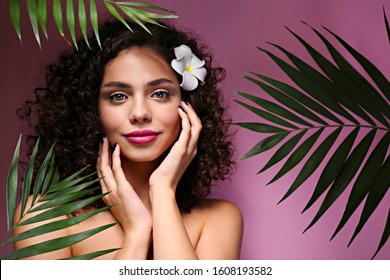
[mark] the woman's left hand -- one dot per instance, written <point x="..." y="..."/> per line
<point x="182" y="152"/>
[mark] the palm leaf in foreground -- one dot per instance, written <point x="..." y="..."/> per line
<point x="338" y="101"/>
<point x="53" y="198"/>
<point x="138" y="12"/>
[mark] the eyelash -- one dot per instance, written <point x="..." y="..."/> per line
<point x="115" y="95"/>
<point x="166" y="94"/>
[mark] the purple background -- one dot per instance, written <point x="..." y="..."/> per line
<point x="234" y="29"/>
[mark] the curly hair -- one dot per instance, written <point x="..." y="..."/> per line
<point x="66" y="108"/>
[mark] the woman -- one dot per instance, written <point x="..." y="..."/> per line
<point x="145" y="109"/>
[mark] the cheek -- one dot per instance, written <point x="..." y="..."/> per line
<point x="109" y="120"/>
<point x="172" y="121"/>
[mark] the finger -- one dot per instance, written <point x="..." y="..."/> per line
<point x="104" y="168"/>
<point x="189" y="110"/>
<point x="98" y="160"/>
<point x="119" y="175"/>
<point x="185" y="133"/>
<point x="195" y="123"/>
<point x="98" y="163"/>
<point x="192" y="116"/>
<point x="103" y="185"/>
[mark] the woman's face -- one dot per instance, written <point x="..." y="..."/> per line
<point x="138" y="104"/>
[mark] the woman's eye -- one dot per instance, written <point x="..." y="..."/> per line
<point x="118" y="97"/>
<point x="160" y="94"/>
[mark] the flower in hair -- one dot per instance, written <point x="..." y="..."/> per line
<point x="189" y="66"/>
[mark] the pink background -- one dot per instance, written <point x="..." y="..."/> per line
<point x="234" y="29"/>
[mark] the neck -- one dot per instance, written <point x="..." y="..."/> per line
<point x="138" y="174"/>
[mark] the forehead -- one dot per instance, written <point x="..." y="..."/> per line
<point x="138" y="62"/>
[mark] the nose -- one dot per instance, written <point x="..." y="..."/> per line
<point x="139" y="112"/>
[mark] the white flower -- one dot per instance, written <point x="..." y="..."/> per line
<point x="189" y="66"/>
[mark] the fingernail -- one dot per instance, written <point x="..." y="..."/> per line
<point x="184" y="100"/>
<point x="115" y="146"/>
<point x="181" y="108"/>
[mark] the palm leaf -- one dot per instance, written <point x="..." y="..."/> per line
<point x="28" y="176"/>
<point x="110" y="7"/>
<point x="93" y="14"/>
<point x="92" y="255"/>
<point x="377" y="76"/>
<point x="312" y="81"/>
<point x="138" y="15"/>
<point x="267" y="115"/>
<point x="344" y="177"/>
<point x="70" y="19"/>
<point x="129" y="12"/>
<point x="60" y="210"/>
<point x="274" y="108"/>
<point x="313" y="162"/>
<point x="58" y="17"/>
<point x="62" y="188"/>
<point x="353" y="98"/>
<point x="42" y="16"/>
<point x="144" y="17"/>
<point x="366" y="177"/>
<point x="260" y="127"/>
<point x="385" y="236"/>
<point x="41" y="175"/>
<point x="54" y="244"/>
<point x="12" y="186"/>
<point x="33" y="15"/>
<point x="333" y="167"/>
<point x="83" y="21"/>
<point x="138" y="12"/>
<point x="66" y="199"/>
<point x="337" y="98"/>
<point x="298" y="155"/>
<point x="53" y="198"/>
<point x="265" y="145"/>
<point x="53" y="226"/>
<point x="298" y="97"/>
<point x="144" y="5"/>
<point x="14" y="13"/>
<point x="375" y="195"/>
<point x="368" y="95"/>
<point x="283" y="151"/>
<point x="288" y="101"/>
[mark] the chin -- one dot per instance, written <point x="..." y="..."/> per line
<point x="144" y="157"/>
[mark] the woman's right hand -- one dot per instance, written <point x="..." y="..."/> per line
<point x="127" y="207"/>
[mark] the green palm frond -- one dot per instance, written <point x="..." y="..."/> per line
<point x="64" y="13"/>
<point x="319" y="120"/>
<point x="54" y="198"/>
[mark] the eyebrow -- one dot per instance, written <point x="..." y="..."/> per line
<point x="159" y="82"/>
<point x="119" y="84"/>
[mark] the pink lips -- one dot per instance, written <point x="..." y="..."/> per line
<point x="141" y="136"/>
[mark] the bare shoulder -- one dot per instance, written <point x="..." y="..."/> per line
<point x="218" y="208"/>
<point x="19" y="217"/>
<point x="222" y="229"/>
<point x="63" y="253"/>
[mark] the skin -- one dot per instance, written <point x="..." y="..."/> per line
<point x="140" y="91"/>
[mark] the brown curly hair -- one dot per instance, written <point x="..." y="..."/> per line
<point x="67" y="112"/>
